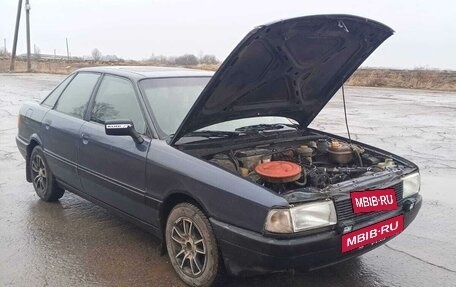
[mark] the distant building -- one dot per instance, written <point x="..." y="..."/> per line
<point x="107" y="58"/>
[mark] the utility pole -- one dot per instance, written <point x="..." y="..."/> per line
<point x="27" y="20"/>
<point x="16" y="30"/>
<point x="4" y="45"/>
<point x="68" y="51"/>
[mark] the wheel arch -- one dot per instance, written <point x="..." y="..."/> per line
<point x="34" y="141"/>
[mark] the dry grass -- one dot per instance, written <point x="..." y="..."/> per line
<point x="369" y="77"/>
<point x="66" y="67"/>
<point x="53" y="67"/>
<point x="412" y="79"/>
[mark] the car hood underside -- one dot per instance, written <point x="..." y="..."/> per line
<point x="290" y="68"/>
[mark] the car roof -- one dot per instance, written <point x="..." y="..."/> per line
<point x="141" y="72"/>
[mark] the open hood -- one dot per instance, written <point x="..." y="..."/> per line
<point x="290" y="68"/>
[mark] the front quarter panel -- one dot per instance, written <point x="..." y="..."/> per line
<point x="223" y="195"/>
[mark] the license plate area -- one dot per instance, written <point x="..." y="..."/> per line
<point x="372" y="233"/>
<point x="373" y="200"/>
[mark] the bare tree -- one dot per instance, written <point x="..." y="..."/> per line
<point x="111" y="58"/>
<point x="209" y="60"/>
<point x="183" y="60"/>
<point x="187" y="60"/>
<point x="4" y="53"/>
<point x="161" y="60"/>
<point x="96" y="54"/>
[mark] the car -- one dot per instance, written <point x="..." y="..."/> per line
<point x="223" y="166"/>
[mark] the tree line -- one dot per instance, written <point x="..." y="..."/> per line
<point x="161" y="60"/>
<point x="183" y="60"/>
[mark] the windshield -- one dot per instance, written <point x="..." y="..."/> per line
<point x="235" y="125"/>
<point x="171" y="99"/>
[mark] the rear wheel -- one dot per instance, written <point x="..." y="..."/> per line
<point x="43" y="180"/>
<point x="192" y="247"/>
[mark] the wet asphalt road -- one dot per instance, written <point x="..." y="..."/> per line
<point x="76" y="243"/>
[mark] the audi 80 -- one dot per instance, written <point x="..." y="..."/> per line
<point x="223" y="166"/>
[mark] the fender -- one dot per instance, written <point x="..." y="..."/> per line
<point x="34" y="140"/>
<point x="184" y="192"/>
<point x="37" y="138"/>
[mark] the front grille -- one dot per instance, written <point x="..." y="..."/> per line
<point x="344" y="207"/>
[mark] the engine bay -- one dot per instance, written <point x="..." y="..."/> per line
<point x="306" y="166"/>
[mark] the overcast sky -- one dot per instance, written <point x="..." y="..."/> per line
<point x="134" y="29"/>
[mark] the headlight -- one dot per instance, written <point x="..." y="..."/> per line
<point x="302" y="217"/>
<point x="278" y="221"/>
<point x="313" y="215"/>
<point x="411" y="184"/>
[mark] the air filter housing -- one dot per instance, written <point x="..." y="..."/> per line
<point x="279" y="171"/>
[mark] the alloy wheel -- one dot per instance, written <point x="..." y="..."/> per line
<point x="188" y="247"/>
<point x="39" y="174"/>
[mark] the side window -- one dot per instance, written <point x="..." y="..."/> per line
<point x="54" y="95"/>
<point x="76" y="96"/>
<point x="116" y="99"/>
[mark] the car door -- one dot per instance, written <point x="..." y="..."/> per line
<point x="112" y="168"/>
<point x="60" y="131"/>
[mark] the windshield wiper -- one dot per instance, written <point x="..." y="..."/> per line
<point x="266" y="127"/>
<point x="212" y="134"/>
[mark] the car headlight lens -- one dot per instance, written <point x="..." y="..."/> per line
<point x="279" y="221"/>
<point x="411" y="184"/>
<point x="302" y="217"/>
<point x="313" y="215"/>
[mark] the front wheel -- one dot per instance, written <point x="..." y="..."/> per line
<point x="43" y="180"/>
<point x="192" y="247"/>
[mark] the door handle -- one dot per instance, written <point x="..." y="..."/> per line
<point x="85" y="138"/>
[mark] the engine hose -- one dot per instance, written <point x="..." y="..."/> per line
<point x="304" y="176"/>
<point x="234" y="160"/>
<point x="359" y="158"/>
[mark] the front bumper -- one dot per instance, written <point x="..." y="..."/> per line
<point x="249" y="253"/>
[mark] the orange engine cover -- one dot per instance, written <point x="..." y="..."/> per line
<point x="279" y="171"/>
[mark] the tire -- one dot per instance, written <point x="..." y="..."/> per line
<point x="192" y="247"/>
<point x="42" y="178"/>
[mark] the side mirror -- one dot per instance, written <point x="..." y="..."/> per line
<point x="123" y="128"/>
